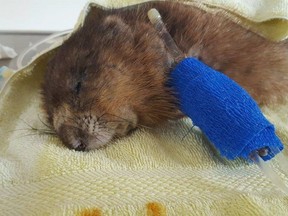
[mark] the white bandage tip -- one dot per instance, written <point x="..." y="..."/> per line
<point x="154" y="16"/>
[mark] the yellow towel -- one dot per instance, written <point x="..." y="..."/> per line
<point x="148" y="173"/>
<point x="266" y="17"/>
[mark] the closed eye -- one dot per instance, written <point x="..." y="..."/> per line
<point x="78" y="87"/>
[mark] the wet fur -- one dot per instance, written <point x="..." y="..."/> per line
<point x="110" y="76"/>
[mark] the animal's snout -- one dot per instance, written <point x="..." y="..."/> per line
<point x="81" y="146"/>
<point x="86" y="133"/>
<point x="82" y="138"/>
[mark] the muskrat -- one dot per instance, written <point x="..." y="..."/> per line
<point x="110" y="76"/>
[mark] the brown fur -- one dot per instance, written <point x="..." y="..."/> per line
<point x="110" y="76"/>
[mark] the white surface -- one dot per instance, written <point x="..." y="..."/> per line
<point x="39" y="15"/>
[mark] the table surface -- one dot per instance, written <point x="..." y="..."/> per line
<point x="19" y="42"/>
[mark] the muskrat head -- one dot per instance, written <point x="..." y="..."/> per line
<point x="105" y="80"/>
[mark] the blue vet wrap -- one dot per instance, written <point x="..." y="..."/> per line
<point x="224" y="111"/>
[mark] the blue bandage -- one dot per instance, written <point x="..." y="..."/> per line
<point x="224" y="111"/>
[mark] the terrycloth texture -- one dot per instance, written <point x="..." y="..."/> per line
<point x="223" y="110"/>
<point x="268" y="18"/>
<point x="168" y="171"/>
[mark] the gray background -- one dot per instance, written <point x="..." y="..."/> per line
<point x="19" y="42"/>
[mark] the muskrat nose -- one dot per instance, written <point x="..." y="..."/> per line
<point x="80" y="147"/>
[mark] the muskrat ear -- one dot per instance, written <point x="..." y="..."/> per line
<point x="115" y="25"/>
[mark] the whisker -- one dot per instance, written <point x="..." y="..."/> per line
<point x="97" y="137"/>
<point x="18" y="137"/>
<point x="49" y="126"/>
<point x="116" y="136"/>
<point x="92" y="103"/>
<point x="100" y="117"/>
<point x="117" y="117"/>
<point x="138" y="125"/>
<point x="72" y="119"/>
<point x="143" y="126"/>
<point x="190" y="129"/>
<point x="36" y="134"/>
<point x="20" y="129"/>
<point x="36" y="131"/>
<point x="46" y="131"/>
<point x="75" y="117"/>
<point x="31" y="127"/>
